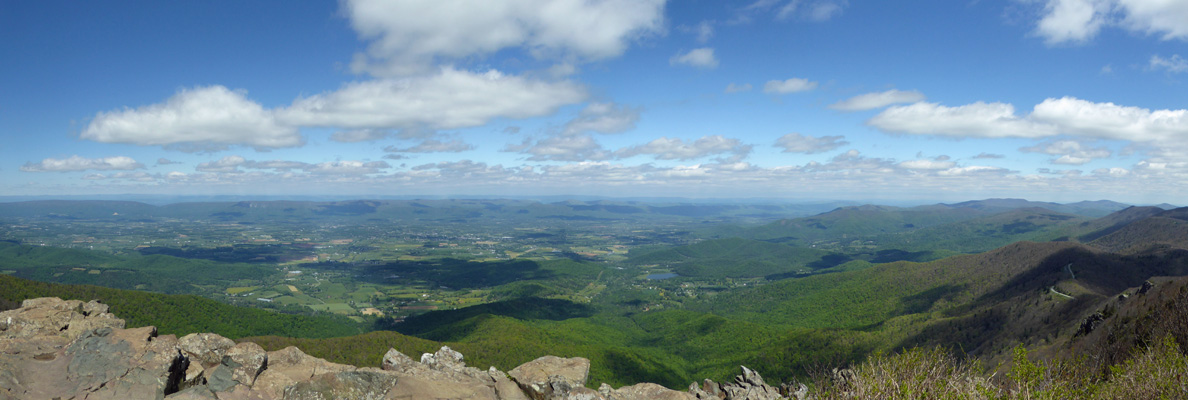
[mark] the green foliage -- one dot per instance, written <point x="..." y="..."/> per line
<point x="183" y="314"/>
<point x="158" y="273"/>
<point x="733" y="258"/>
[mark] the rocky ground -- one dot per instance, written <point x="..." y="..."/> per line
<point x="57" y="349"/>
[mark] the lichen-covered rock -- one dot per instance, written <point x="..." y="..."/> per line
<point x="246" y="360"/>
<point x="419" y="387"/>
<point x="394" y="360"/>
<point x="103" y="363"/>
<point x="505" y="388"/>
<point x="289" y="366"/>
<point x="363" y="384"/>
<point x="750" y="386"/>
<point x="644" y="391"/>
<point x="205" y="349"/>
<point x="551" y="377"/>
<point x="51" y="316"/>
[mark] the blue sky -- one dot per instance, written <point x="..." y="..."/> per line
<point x="1059" y="100"/>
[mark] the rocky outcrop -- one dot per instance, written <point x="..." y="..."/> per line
<point x="51" y="348"/>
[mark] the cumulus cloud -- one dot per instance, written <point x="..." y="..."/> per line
<point x="700" y="58"/>
<point x="677" y="149"/>
<point x="230" y="165"/>
<point x="1063" y="116"/>
<point x="450" y="99"/>
<point x="127" y="176"/>
<point x="279" y="165"/>
<point x="853" y="161"/>
<point x="988" y="156"/>
<point x="166" y="161"/>
<point x="1174" y="64"/>
<point x="76" y="163"/>
<point x="995" y="120"/>
<point x="348" y="167"/>
<point x="870" y="101"/>
<point x="202" y="117"/>
<point x="433" y="146"/>
<point x="407" y="37"/>
<point x="926" y="164"/>
<point x="797" y="143"/>
<point x="1112" y="121"/>
<point x="972" y="170"/>
<point x="1072" y="20"/>
<point x="1078" y="21"/>
<point x="1114" y="172"/>
<point x="573" y="141"/>
<point x="227" y="164"/>
<point x="1068" y="152"/>
<point x="734" y="88"/>
<point x="360" y="135"/>
<point x="603" y="118"/>
<point x="791" y="85"/>
<point x="563" y="148"/>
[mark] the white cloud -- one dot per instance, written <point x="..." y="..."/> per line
<point x="1069" y="152"/>
<point x="733" y="88"/>
<point x="1063" y="116"/>
<point x="676" y="149"/>
<point x="76" y="163"/>
<point x="1111" y="121"/>
<point x="411" y="36"/>
<point x="360" y="135"/>
<point x="870" y="101"/>
<point x="1168" y="18"/>
<point x="166" y="161"/>
<point x="1074" y="21"/>
<point x="853" y="161"/>
<point x="227" y="164"/>
<point x="1114" y="172"/>
<point x="978" y="120"/>
<point x="700" y="58"/>
<point x="791" y="85"/>
<point x="279" y="165"/>
<point x="450" y="99"/>
<point x="988" y="156"/>
<point x="797" y="143"/>
<point x="129" y="176"/>
<point x="972" y="170"/>
<point x="1078" y="21"/>
<point x="925" y="164"/>
<point x="1175" y="64"/>
<point x="228" y="167"/>
<point x="433" y="146"/>
<point x="563" y="148"/>
<point x="604" y="118"/>
<point x="348" y="167"/>
<point x="212" y="116"/>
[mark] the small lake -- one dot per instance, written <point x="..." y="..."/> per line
<point x="663" y="276"/>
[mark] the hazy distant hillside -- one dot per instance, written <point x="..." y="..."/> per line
<point x="422" y="210"/>
<point x="734" y="258"/>
<point x="1108" y="224"/>
<point x="861" y="221"/>
<point x="1084" y="208"/>
<point x="984" y="233"/>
